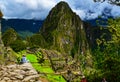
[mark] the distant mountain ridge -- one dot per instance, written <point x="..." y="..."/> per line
<point x="19" y="25"/>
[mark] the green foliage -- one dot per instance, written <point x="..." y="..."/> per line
<point x="47" y="70"/>
<point x="24" y="34"/>
<point x="111" y="69"/>
<point x="40" y="57"/>
<point x="63" y="31"/>
<point x="36" y="41"/>
<point x="9" y="36"/>
<point x="32" y="58"/>
<point x="93" y="75"/>
<point x="107" y="57"/>
<point x="18" y="45"/>
<point x="2" y="60"/>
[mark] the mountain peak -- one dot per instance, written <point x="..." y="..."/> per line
<point x="62" y="4"/>
<point x="63" y="29"/>
<point x="61" y="7"/>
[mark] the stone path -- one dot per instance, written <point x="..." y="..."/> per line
<point x="18" y="73"/>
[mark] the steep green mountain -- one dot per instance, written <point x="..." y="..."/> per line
<point x="63" y="30"/>
<point x="94" y="33"/>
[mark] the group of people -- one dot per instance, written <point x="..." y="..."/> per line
<point x="85" y="80"/>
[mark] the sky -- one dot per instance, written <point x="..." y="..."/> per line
<point x="39" y="9"/>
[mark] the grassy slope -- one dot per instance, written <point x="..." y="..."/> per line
<point x="47" y="70"/>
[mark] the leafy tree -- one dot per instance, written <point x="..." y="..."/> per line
<point x="18" y="45"/>
<point x="9" y="36"/>
<point x="36" y="41"/>
<point x="108" y="59"/>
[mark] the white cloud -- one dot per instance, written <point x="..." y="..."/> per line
<point x="28" y="9"/>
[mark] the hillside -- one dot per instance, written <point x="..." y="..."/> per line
<point x="64" y="31"/>
<point x="31" y="25"/>
<point x="63" y="48"/>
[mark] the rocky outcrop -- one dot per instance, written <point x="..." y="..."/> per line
<point x="18" y="73"/>
<point x="63" y="30"/>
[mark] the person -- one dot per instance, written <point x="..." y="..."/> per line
<point x="24" y="59"/>
<point x="104" y="80"/>
<point x="83" y="79"/>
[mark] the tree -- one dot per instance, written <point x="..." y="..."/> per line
<point x="9" y="36"/>
<point x="36" y="41"/>
<point x="107" y="57"/>
<point x="18" y="45"/>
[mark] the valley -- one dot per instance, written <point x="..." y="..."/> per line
<point x="61" y="48"/>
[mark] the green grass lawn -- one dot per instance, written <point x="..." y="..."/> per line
<point x="32" y="58"/>
<point x="55" y="78"/>
<point x="43" y="69"/>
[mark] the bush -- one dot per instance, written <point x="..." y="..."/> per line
<point x="18" y="45"/>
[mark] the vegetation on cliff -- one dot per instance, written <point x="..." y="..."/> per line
<point x="66" y="43"/>
<point x="63" y="30"/>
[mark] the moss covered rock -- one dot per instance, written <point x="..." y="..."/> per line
<point x="63" y="30"/>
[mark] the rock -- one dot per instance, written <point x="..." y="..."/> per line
<point x="31" y="72"/>
<point x="38" y="81"/>
<point x="22" y="72"/>
<point x="2" y="81"/>
<point x="17" y="81"/>
<point x="18" y="73"/>
<point x="19" y="77"/>
<point x="5" y="74"/>
<point x="6" y="78"/>
<point x="12" y="78"/>
<point x="11" y="66"/>
<point x="30" y="77"/>
<point x="9" y="81"/>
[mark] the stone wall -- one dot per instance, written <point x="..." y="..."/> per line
<point x="18" y="73"/>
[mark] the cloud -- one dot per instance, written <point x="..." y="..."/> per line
<point x="26" y="9"/>
<point x="39" y="9"/>
<point x="88" y="9"/>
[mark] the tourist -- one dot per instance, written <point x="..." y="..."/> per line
<point x="24" y="59"/>
<point x="104" y="80"/>
<point x="83" y="79"/>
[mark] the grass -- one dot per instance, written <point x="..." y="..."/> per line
<point x="43" y="69"/>
<point x="55" y="78"/>
<point x="32" y="58"/>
